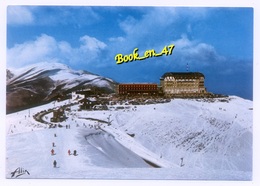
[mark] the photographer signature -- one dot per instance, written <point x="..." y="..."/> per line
<point x="19" y="172"/>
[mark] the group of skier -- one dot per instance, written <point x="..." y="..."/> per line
<point x="74" y="153"/>
<point x="53" y="153"/>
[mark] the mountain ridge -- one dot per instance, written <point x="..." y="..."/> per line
<point x="42" y="82"/>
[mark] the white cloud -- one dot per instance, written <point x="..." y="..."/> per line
<point x="192" y="50"/>
<point x="143" y="30"/>
<point x="51" y="15"/>
<point x="47" y="48"/>
<point x="91" y="43"/>
<point x="65" y="48"/>
<point x="154" y="19"/>
<point x="19" y="15"/>
<point x="153" y="26"/>
<point x="150" y="28"/>
<point x="160" y="18"/>
<point x="117" y="39"/>
<point x="129" y="24"/>
<point x="33" y="51"/>
<point x="183" y="43"/>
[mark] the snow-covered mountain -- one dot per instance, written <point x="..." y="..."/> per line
<point x="41" y="82"/>
<point x="205" y="139"/>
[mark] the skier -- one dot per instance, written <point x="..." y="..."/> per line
<point x="182" y="162"/>
<point x="69" y="152"/>
<point x="53" y="144"/>
<point x="54" y="163"/>
<point x="52" y="152"/>
<point x="75" y="153"/>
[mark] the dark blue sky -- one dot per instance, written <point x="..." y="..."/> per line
<point x="215" y="41"/>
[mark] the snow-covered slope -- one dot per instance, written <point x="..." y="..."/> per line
<point x="208" y="139"/>
<point x="33" y="84"/>
<point x="209" y="135"/>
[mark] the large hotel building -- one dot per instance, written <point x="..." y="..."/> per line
<point x="183" y="84"/>
<point x="172" y="84"/>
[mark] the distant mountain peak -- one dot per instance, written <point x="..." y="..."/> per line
<point x="44" y="81"/>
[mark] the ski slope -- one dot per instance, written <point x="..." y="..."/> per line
<point x="189" y="139"/>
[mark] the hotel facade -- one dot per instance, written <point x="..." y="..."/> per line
<point x="183" y="84"/>
<point x="172" y="84"/>
<point x="135" y="89"/>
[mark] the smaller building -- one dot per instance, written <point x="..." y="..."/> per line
<point x="58" y="115"/>
<point x="86" y="104"/>
<point x="137" y="89"/>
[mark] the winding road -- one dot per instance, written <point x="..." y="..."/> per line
<point x="113" y="146"/>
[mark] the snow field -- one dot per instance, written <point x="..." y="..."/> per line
<point x="206" y="135"/>
<point x="214" y="140"/>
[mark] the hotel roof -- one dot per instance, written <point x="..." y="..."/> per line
<point x="183" y="75"/>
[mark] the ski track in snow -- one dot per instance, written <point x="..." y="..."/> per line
<point x="214" y="140"/>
